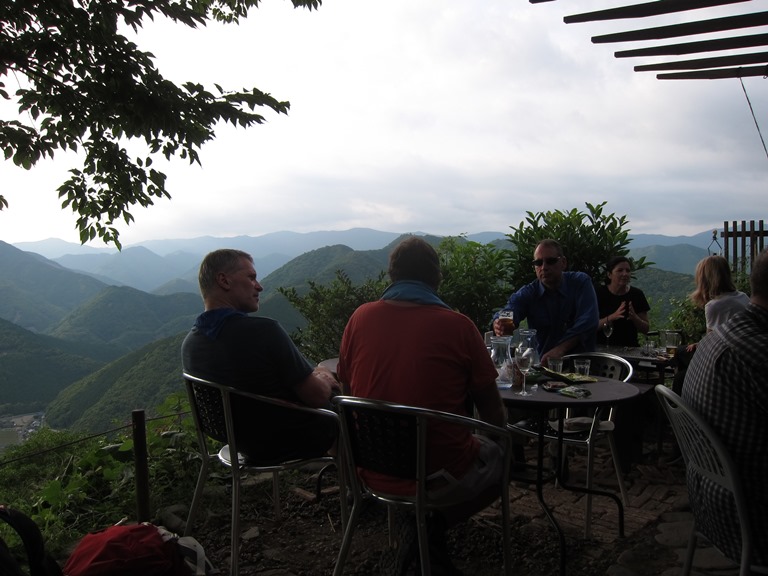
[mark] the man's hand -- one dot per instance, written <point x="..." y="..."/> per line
<point x="505" y="329"/>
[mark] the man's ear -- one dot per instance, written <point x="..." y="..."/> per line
<point x="222" y="280"/>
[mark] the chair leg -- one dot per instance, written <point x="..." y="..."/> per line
<point x="276" y="495"/>
<point x="692" y="540"/>
<point x="617" y="467"/>
<point x="391" y="529"/>
<point x="202" y="478"/>
<point x="506" y="532"/>
<point x="343" y="483"/>
<point x="234" y="562"/>
<point x="346" y="541"/>
<point x="421" y="531"/>
<point x="588" y="498"/>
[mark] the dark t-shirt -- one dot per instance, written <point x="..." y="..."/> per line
<point x="624" y="330"/>
<point x="257" y="355"/>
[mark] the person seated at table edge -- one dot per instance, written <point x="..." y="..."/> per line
<point x="727" y="384"/>
<point x="411" y="348"/>
<point x="622" y="305"/>
<point x="229" y="346"/>
<point x="561" y="306"/>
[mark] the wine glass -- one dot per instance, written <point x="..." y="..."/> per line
<point x="524" y="360"/>
<point x="608" y="330"/>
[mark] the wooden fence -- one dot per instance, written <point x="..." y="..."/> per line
<point x="741" y="244"/>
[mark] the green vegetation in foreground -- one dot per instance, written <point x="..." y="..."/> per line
<point x="71" y="484"/>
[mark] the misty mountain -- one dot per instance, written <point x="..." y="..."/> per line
<point x="137" y="267"/>
<point x="125" y="319"/>
<point x="701" y="240"/>
<point x="156" y="265"/>
<point x="680" y="258"/>
<point x="36" y="293"/>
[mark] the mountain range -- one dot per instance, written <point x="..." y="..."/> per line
<point x="90" y="336"/>
<point x="169" y="266"/>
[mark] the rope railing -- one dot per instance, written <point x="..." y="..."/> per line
<point x="138" y="428"/>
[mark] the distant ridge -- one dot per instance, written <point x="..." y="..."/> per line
<point x="294" y="243"/>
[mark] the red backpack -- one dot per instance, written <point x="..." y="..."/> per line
<point x="126" y="551"/>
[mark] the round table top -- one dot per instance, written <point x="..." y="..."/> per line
<point x="330" y="363"/>
<point x="604" y="392"/>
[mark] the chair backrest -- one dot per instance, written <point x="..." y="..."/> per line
<point x="606" y="365"/>
<point x="706" y="456"/>
<point x="211" y="405"/>
<point x="383" y="437"/>
<point x="391" y="438"/>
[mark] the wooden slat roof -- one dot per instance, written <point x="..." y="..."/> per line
<point x="742" y="31"/>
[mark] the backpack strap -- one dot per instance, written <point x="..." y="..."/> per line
<point x="40" y="562"/>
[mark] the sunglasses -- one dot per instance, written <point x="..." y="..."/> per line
<point x="548" y="261"/>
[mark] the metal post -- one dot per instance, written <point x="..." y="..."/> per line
<point x="141" y="464"/>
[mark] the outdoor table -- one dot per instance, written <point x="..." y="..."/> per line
<point x="330" y="363"/>
<point x="642" y="363"/>
<point x="604" y="392"/>
<point x="658" y="363"/>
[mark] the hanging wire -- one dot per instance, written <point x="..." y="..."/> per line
<point x="753" y="115"/>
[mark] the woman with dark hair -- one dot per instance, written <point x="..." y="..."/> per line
<point x="621" y="305"/>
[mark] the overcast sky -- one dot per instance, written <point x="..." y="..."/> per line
<point x="440" y="116"/>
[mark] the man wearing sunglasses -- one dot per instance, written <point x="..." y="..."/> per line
<point x="561" y="306"/>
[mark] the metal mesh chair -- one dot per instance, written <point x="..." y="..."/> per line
<point x="707" y="457"/>
<point x="590" y="429"/>
<point x="211" y="405"/>
<point x="392" y="439"/>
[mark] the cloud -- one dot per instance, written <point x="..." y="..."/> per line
<point x="440" y="116"/>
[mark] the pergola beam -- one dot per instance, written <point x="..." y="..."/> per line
<point x="702" y="63"/>
<point x="656" y="8"/>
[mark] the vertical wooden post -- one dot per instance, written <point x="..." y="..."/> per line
<point x="141" y="464"/>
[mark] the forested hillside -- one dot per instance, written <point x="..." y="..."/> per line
<point x="106" y="398"/>
<point x="660" y="287"/>
<point x="126" y="319"/>
<point x="35" y="368"/>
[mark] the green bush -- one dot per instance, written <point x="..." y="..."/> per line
<point x="71" y="484"/>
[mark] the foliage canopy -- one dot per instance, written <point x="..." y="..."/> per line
<point x="476" y="278"/>
<point x="83" y="86"/>
<point x="589" y="239"/>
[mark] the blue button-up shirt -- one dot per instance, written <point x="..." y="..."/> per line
<point x="559" y="315"/>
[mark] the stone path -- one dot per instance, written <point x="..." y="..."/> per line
<point x="658" y="497"/>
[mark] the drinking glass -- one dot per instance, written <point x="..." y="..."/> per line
<point x="581" y="366"/>
<point x="507" y="322"/>
<point x="671" y="342"/>
<point x="555" y="364"/>
<point x="524" y="360"/>
<point x="608" y="330"/>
